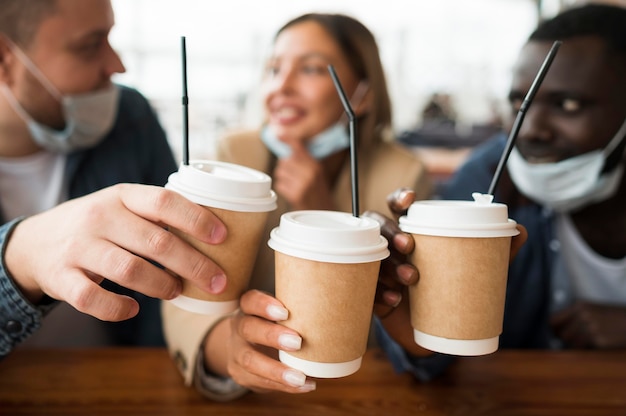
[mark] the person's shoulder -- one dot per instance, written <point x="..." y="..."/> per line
<point x="392" y="163"/>
<point x="489" y="150"/>
<point x="475" y="174"/>
<point x="241" y="136"/>
<point x="240" y="140"/>
<point x="395" y="153"/>
<point x="131" y="98"/>
<point x="245" y="147"/>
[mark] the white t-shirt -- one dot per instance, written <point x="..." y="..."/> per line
<point x="592" y="278"/>
<point x="31" y="184"/>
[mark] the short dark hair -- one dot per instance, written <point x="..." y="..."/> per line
<point x="19" y="19"/>
<point x="602" y="20"/>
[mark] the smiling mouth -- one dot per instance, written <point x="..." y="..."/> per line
<point x="285" y="113"/>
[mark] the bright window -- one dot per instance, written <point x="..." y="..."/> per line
<point x="463" y="48"/>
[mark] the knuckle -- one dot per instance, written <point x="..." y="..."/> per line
<point x="198" y="268"/>
<point x="196" y="219"/>
<point x="248" y="300"/>
<point x="93" y="213"/>
<point x="246" y="359"/>
<point x="163" y="199"/>
<point x="120" y="188"/>
<point x="160" y="241"/>
<point x="80" y="297"/>
<point x="246" y="328"/>
<point x="125" y="266"/>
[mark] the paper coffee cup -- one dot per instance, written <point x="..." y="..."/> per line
<point x="327" y="265"/>
<point x="242" y="199"/>
<point x="462" y="253"/>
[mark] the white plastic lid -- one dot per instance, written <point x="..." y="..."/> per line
<point x="479" y="218"/>
<point x="329" y="236"/>
<point x="224" y="185"/>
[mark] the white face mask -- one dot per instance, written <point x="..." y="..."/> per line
<point x="571" y="183"/>
<point x="88" y="117"/>
<point x="332" y="140"/>
<point x="324" y="144"/>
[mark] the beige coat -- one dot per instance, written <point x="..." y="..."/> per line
<point x="383" y="171"/>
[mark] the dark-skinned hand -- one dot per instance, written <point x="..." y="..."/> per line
<point x="591" y="325"/>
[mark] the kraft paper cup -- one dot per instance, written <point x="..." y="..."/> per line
<point x="462" y="253"/>
<point x="327" y="265"/>
<point x="242" y="199"/>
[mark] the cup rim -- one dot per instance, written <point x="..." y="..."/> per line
<point x="337" y="238"/>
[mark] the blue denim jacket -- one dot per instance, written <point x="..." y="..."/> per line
<point x="135" y="151"/>
<point x="529" y="287"/>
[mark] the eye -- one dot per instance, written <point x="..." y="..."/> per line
<point x="516" y="103"/>
<point x="571" y="105"/>
<point x="312" y="69"/>
<point x="91" y="46"/>
<point x="272" y="69"/>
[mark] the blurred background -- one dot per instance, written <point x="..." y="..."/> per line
<point x="448" y="62"/>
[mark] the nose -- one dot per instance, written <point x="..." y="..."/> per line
<point x="283" y="80"/>
<point x="536" y="124"/>
<point x="112" y="62"/>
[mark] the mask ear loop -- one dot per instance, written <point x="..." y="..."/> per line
<point x="17" y="107"/>
<point x="614" y="151"/>
<point x="30" y="65"/>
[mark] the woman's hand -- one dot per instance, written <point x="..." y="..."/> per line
<point x="249" y="344"/>
<point x="301" y="180"/>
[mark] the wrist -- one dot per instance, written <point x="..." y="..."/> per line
<point x="216" y="346"/>
<point x="16" y="263"/>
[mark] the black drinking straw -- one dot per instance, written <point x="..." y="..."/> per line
<point x="353" y="158"/>
<point x="522" y="113"/>
<point x="185" y="104"/>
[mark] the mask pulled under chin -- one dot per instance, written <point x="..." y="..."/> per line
<point x="567" y="185"/>
<point x="331" y="140"/>
<point x="88" y="118"/>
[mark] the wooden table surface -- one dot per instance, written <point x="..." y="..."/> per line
<point x="145" y="382"/>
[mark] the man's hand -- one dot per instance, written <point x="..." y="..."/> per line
<point x="68" y="251"/>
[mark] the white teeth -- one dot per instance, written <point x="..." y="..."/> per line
<point x="286" y="112"/>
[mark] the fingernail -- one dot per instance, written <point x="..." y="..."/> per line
<point x="294" y="378"/>
<point x="405" y="273"/>
<point x="405" y="194"/>
<point x="218" y="234"/>
<point x="218" y="283"/>
<point x="309" y="385"/>
<point x="392" y="298"/>
<point x="401" y="241"/>
<point x="290" y="342"/>
<point x="277" y="313"/>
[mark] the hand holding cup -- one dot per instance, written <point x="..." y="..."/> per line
<point x="254" y="338"/>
